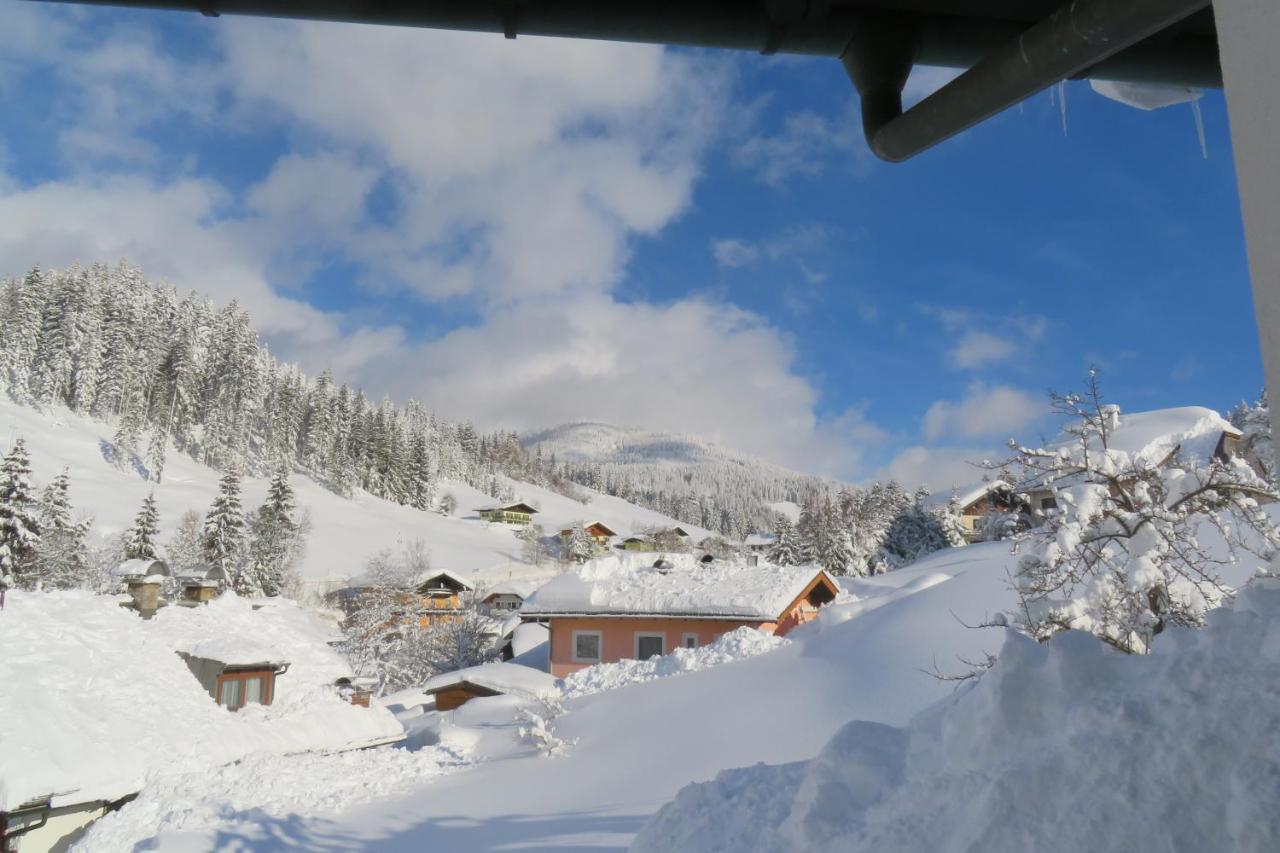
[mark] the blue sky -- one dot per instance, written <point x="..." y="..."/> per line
<point x="536" y="232"/>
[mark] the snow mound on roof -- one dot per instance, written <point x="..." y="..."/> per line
<point x="522" y="589"/>
<point x="96" y="701"/>
<point x="741" y="643"/>
<point x="505" y="678"/>
<point x="1151" y="436"/>
<point x="1061" y="747"/>
<point x="630" y="583"/>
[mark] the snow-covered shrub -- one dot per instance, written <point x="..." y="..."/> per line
<point x="1121" y="555"/>
<point x="539" y="727"/>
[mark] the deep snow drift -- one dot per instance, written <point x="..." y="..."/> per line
<point x="97" y="703"/>
<point x="1066" y="746"/>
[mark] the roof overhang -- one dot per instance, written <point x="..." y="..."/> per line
<point x="1010" y="48"/>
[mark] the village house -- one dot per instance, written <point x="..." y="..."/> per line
<point x="599" y="532"/>
<point x="506" y="597"/>
<point x="625" y="606"/>
<point x="452" y="689"/>
<point x="758" y="545"/>
<point x="514" y="513"/>
<point x="978" y="502"/>
<point x="440" y="597"/>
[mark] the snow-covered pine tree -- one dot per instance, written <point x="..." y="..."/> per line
<point x="1254" y="422"/>
<point x="274" y="534"/>
<point x="1121" y="556"/>
<point x="61" y="555"/>
<point x="157" y="446"/>
<point x="140" y="540"/>
<point x="914" y="533"/>
<point x="786" y="550"/>
<point x="19" y="519"/>
<point x="951" y="520"/>
<point x="223" y="538"/>
<point x="580" y="546"/>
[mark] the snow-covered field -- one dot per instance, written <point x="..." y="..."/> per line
<point x="344" y="532"/>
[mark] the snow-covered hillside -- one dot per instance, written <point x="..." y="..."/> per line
<point x="696" y="480"/>
<point x="344" y="532"/>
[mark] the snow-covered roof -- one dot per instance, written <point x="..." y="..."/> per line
<point x="436" y="574"/>
<point x="141" y="569"/>
<point x="95" y="701"/>
<point x="506" y="678"/>
<point x="966" y="495"/>
<point x="521" y="589"/>
<point x="1194" y="431"/>
<point x="760" y="540"/>
<point x="628" y="584"/>
<point x="518" y="506"/>
<point x="203" y="572"/>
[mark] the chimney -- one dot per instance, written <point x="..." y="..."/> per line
<point x="146" y="596"/>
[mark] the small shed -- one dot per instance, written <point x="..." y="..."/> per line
<point x="452" y="689"/>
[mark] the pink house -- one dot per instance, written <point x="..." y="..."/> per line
<point x="634" y="605"/>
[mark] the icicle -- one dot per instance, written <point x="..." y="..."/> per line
<point x="1195" y="111"/>
<point x="1062" y="104"/>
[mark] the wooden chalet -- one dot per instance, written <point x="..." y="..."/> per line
<point x="515" y="513"/>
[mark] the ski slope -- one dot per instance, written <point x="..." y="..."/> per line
<point x="344" y="532"/>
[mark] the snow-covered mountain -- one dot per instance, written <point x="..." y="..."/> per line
<point x="694" y="480"/>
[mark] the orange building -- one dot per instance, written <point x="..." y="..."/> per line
<point x="440" y="597"/>
<point x="629" y="606"/>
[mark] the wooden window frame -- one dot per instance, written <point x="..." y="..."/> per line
<point x="268" y="677"/>
<point x="686" y="636"/>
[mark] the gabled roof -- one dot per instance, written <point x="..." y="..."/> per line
<point x="521" y="589"/>
<point x="760" y="540"/>
<point x="450" y="579"/>
<point x="588" y="525"/>
<point x="506" y="678"/>
<point x="519" y="506"/>
<point x="623" y="584"/>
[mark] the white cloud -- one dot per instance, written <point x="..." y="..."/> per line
<point x="978" y="349"/>
<point x="939" y="469"/>
<point x="805" y="145"/>
<point x="732" y="253"/>
<point x="985" y="411"/>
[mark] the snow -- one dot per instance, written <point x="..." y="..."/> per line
<point x="628" y="583"/>
<point x="760" y="540"/>
<point x="97" y="702"/>
<point x="1060" y="747"/>
<point x="145" y="569"/>
<point x="739" y="644"/>
<point x="345" y="532"/>
<point x="1145" y="96"/>
<point x="1151" y="436"/>
<point x="509" y="678"/>
<point x="261" y="790"/>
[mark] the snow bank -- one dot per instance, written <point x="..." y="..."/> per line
<point x="1065" y="746"/>
<point x="97" y="703"/>
<point x="261" y="796"/>
<point x="630" y="583"/>
<point x="738" y="644"/>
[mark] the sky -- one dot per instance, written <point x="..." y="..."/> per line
<point x="532" y="232"/>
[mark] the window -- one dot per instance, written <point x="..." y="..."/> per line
<point x="586" y="646"/>
<point x="689" y="641"/>
<point x="253" y="690"/>
<point x="1048" y="503"/>
<point x="229" y="693"/>
<point x="650" y="645"/>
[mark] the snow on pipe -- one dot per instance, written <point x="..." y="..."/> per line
<point x="1070" y="42"/>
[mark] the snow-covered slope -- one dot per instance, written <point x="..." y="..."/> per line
<point x="344" y="532"/>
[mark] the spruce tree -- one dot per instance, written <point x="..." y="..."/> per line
<point x="274" y="534"/>
<point x="19" y="519"/>
<point x="140" y="539"/>
<point x="61" y="555"/>
<point x="786" y="550"/>
<point x="224" y="534"/>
